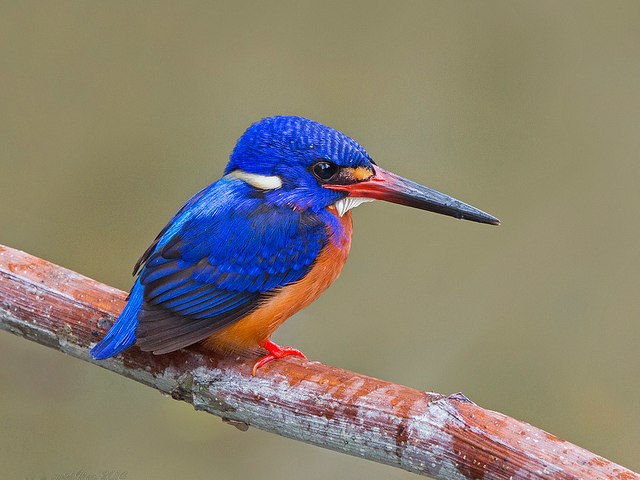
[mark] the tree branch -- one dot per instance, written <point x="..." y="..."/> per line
<point x="446" y="437"/>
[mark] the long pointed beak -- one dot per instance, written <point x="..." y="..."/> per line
<point x="393" y="188"/>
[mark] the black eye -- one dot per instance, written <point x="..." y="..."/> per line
<point x="324" y="171"/>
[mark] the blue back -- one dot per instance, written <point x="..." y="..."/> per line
<point x="223" y="254"/>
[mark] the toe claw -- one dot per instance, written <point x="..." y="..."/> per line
<point x="275" y="352"/>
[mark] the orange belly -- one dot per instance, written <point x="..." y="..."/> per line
<point x="252" y="330"/>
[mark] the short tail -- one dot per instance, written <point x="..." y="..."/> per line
<point x="123" y="333"/>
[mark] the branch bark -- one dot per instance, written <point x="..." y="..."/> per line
<point x="446" y="437"/>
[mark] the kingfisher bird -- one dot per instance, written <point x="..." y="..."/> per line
<point x="261" y="243"/>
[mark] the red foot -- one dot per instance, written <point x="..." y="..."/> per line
<point x="275" y="351"/>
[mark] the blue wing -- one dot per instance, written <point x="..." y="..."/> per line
<point x="223" y="254"/>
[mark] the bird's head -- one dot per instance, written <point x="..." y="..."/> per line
<point x="306" y="165"/>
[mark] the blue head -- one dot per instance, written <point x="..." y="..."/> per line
<point x="301" y="156"/>
<point x="305" y="165"/>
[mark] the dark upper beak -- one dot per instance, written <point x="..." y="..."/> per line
<point x="393" y="188"/>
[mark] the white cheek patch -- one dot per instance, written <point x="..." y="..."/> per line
<point x="345" y="204"/>
<point x="263" y="182"/>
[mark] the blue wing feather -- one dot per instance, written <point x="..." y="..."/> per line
<point x="220" y="256"/>
<point x="123" y="333"/>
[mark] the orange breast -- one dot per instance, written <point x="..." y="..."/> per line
<point x="252" y="330"/>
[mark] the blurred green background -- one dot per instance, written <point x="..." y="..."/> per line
<point x="114" y="113"/>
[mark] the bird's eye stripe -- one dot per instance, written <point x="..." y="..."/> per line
<point x="263" y="182"/>
<point x="360" y="173"/>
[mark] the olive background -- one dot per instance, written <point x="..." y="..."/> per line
<point x="114" y="113"/>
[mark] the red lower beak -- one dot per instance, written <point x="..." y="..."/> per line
<point x="396" y="189"/>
